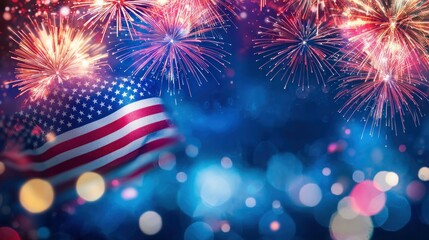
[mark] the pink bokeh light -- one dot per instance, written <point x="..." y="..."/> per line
<point x="367" y="199"/>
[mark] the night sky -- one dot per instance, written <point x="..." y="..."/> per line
<point x="258" y="161"/>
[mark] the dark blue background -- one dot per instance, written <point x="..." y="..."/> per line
<point x="249" y="119"/>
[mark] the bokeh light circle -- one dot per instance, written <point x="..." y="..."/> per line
<point x="358" y="176"/>
<point x="359" y="227"/>
<point x="337" y="188"/>
<point x="399" y="211"/>
<point x="129" y="193"/>
<point x="226" y="162"/>
<point x="367" y="199"/>
<point x="423" y="174"/>
<point x="225" y="227"/>
<point x="43" y="233"/>
<point x="380" y="218"/>
<point x="90" y="186"/>
<point x="8" y="233"/>
<point x="181" y="177"/>
<point x="384" y="180"/>
<point x="326" y="171"/>
<point x="392" y="179"/>
<point x="250" y="202"/>
<point x="192" y="151"/>
<point x="380" y="181"/>
<point x="36" y="195"/>
<point x="277" y="226"/>
<point x="274" y="226"/>
<point x="416" y="190"/>
<point x="345" y="208"/>
<point x="310" y="195"/>
<point x="296" y="195"/>
<point x="199" y="231"/>
<point x="215" y="191"/>
<point x="7" y="16"/>
<point x="150" y="223"/>
<point x="167" y="161"/>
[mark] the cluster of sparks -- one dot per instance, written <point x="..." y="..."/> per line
<point x="382" y="56"/>
<point x="170" y="40"/>
<point x="51" y="53"/>
<point x="394" y="30"/>
<point x="176" y="47"/>
<point x="375" y="50"/>
<point x="383" y="92"/>
<point x="388" y="41"/>
<point x="297" y="49"/>
<point x="123" y="12"/>
<point x="322" y="10"/>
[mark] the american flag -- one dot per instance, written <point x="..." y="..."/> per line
<point x="113" y="127"/>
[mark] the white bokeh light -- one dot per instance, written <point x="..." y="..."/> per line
<point x="150" y="223"/>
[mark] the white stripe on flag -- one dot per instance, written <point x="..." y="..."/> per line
<point x="94" y="145"/>
<point x="96" y="124"/>
<point x="106" y="159"/>
<point x="140" y="162"/>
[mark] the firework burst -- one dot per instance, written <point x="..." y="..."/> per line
<point x="124" y="12"/>
<point x="397" y="29"/>
<point x="296" y="50"/>
<point x="174" y="47"/>
<point x="384" y="91"/>
<point x="50" y="53"/>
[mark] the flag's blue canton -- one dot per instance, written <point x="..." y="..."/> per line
<point x="78" y="103"/>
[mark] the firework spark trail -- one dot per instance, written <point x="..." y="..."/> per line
<point x="175" y="47"/>
<point x="262" y="4"/>
<point x="124" y="12"/>
<point x="218" y="10"/>
<point x="211" y="12"/>
<point x="50" y="53"/>
<point x="395" y="29"/>
<point x="295" y="50"/>
<point x="286" y="4"/>
<point x="384" y="90"/>
<point x="324" y="10"/>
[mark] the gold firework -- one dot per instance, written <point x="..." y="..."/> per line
<point x="50" y="53"/>
<point x="394" y="29"/>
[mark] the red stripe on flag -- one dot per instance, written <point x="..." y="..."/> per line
<point x="104" y="150"/>
<point x="157" y="144"/>
<point x="152" y="146"/>
<point x="97" y="133"/>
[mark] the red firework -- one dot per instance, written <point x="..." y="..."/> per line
<point x="210" y="12"/>
<point x="384" y="91"/>
<point x="396" y="30"/>
<point x="124" y="12"/>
